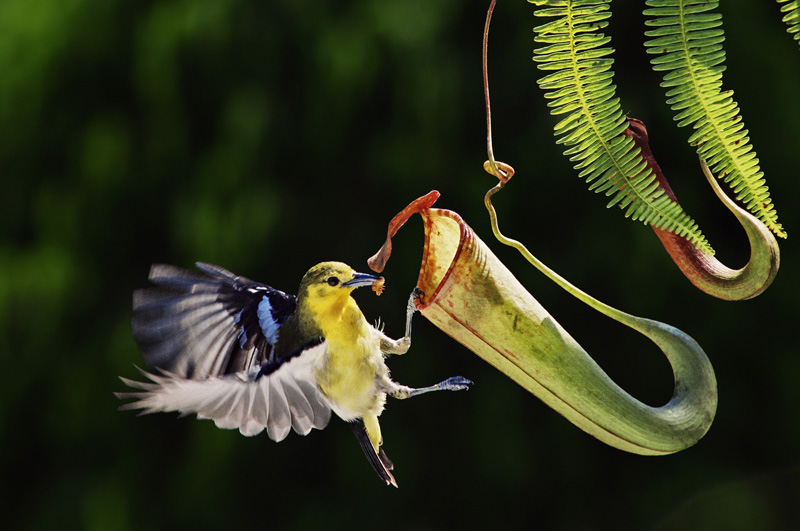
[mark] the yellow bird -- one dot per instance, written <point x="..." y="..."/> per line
<point x="251" y="357"/>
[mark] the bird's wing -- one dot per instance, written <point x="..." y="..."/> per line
<point x="196" y="325"/>
<point x="277" y="397"/>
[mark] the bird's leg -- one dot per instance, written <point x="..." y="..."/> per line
<point x="401" y="346"/>
<point x="395" y="390"/>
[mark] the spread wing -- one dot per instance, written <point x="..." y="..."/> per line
<point x="208" y="323"/>
<point x="276" y="396"/>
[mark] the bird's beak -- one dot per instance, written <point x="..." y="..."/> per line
<point x="360" y="280"/>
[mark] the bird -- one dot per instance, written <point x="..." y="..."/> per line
<point x="253" y="358"/>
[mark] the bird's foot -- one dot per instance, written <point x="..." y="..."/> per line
<point x="411" y="309"/>
<point x="456" y="383"/>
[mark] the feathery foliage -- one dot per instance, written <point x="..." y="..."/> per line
<point x="581" y="87"/>
<point x="792" y="17"/>
<point x="688" y="39"/>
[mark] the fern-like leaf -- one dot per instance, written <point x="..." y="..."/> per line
<point x="688" y="39"/>
<point x="792" y="17"/>
<point x="580" y="86"/>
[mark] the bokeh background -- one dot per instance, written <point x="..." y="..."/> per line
<point x="266" y="136"/>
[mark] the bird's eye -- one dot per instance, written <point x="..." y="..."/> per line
<point x="333" y="281"/>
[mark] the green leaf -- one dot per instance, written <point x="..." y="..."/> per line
<point x="792" y="17"/>
<point x="686" y="42"/>
<point x="579" y="85"/>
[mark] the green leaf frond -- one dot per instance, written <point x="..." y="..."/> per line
<point x="792" y="17"/>
<point x="579" y="85"/>
<point x="687" y="39"/>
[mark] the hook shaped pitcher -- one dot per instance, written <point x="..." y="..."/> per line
<point x="473" y="297"/>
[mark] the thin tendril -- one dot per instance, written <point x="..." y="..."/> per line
<point x="498" y="169"/>
<point x="504" y="172"/>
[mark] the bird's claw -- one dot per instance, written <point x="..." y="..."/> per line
<point x="416" y="296"/>
<point x="411" y="308"/>
<point x="456" y="383"/>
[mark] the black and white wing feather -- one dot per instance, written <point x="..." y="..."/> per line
<point x="275" y="397"/>
<point x="199" y="325"/>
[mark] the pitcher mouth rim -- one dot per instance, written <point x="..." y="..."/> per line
<point x="425" y="276"/>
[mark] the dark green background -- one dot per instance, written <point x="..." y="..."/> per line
<point x="268" y="136"/>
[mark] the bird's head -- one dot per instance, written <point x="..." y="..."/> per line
<point x="330" y="283"/>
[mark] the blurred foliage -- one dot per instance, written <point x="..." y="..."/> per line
<point x="268" y="136"/>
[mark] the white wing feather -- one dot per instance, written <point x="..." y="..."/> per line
<point x="284" y="399"/>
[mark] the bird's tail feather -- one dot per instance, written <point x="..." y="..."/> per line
<point x="379" y="461"/>
<point x="387" y="463"/>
